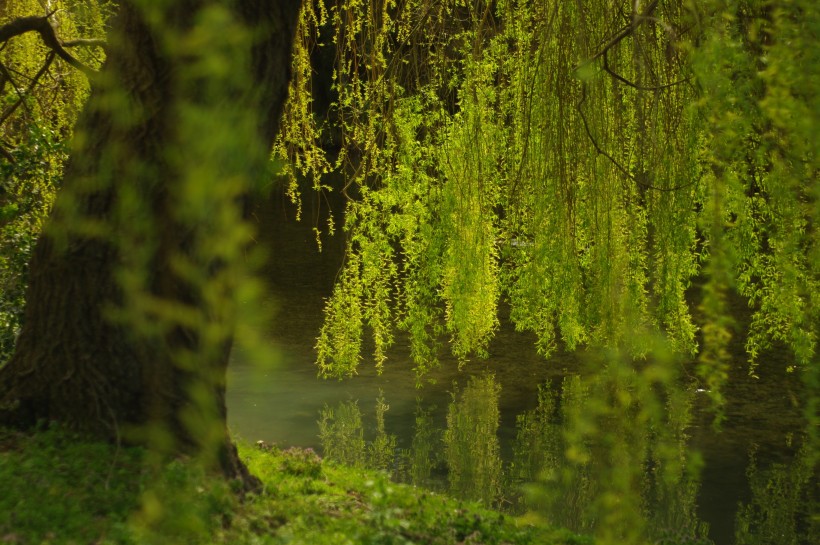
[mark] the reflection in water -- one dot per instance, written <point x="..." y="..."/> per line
<point x="343" y="441"/>
<point x="422" y="456"/>
<point x="624" y="429"/>
<point x="471" y="448"/>
<point x="536" y="450"/>
<point x="342" y="434"/>
<point x="784" y="505"/>
<point x="565" y="491"/>
<point x="594" y="455"/>
<point x="382" y="450"/>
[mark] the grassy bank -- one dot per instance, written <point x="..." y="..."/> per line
<point x="57" y="488"/>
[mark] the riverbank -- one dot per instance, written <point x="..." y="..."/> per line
<point x="58" y="488"/>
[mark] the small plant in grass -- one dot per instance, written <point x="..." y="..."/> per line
<point x="299" y="461"/>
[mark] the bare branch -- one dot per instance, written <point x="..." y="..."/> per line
<point x="85" y="42"/>
<point x="6" y="154"/>
<point x="598" y="148"/>
<point x="623" y="33"/>
<point x="7" y="75"/>
<point x="42" y="26"/>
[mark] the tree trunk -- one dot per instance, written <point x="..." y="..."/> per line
<point x="76" y="362"/>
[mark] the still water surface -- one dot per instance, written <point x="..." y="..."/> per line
<point x="281" y="401"/>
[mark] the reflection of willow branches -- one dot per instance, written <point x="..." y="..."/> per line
<point x="784" y="503"/>
<point x="471" y="446"/>
<point x="610" y="457"/>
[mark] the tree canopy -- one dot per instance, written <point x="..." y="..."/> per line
<point x="610" y="170"/>
<point x="616" y="176"/>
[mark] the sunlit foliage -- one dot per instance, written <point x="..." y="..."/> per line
<point x="616" y="172"/>
<point x="586" y="163"/>
<point x="755" y="64"/>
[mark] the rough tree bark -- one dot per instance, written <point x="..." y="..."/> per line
<point x="72" y="363"/>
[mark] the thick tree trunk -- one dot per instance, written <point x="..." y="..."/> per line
<point x="74" y="363"/>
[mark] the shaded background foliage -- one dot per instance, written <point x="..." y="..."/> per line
<point x="41" y="96"/>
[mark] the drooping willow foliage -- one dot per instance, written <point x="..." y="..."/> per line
<point x="589" y="162"/>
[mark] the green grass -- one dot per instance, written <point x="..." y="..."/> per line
<point x="56" y="487"/>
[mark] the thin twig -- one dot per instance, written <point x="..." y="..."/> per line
<point x="592" y="138"/>
<point x="612" y="160"/>
<point x="7" y="75"/>
<point x="625" y="81"/>
<point x="34" y="80"/>
<point x="623" y="33"/>
<point x="7" y="154"/>
<point x="91" y="42"/>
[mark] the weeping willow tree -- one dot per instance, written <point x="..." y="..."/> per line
<point x="613" y="170"/>
<point x="616" y="172"/>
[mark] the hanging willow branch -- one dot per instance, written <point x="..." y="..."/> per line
<point x="619" y="166"/>
<point x="625" y="32"/>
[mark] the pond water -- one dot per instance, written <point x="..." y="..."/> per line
<point x="281" y="401"/>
